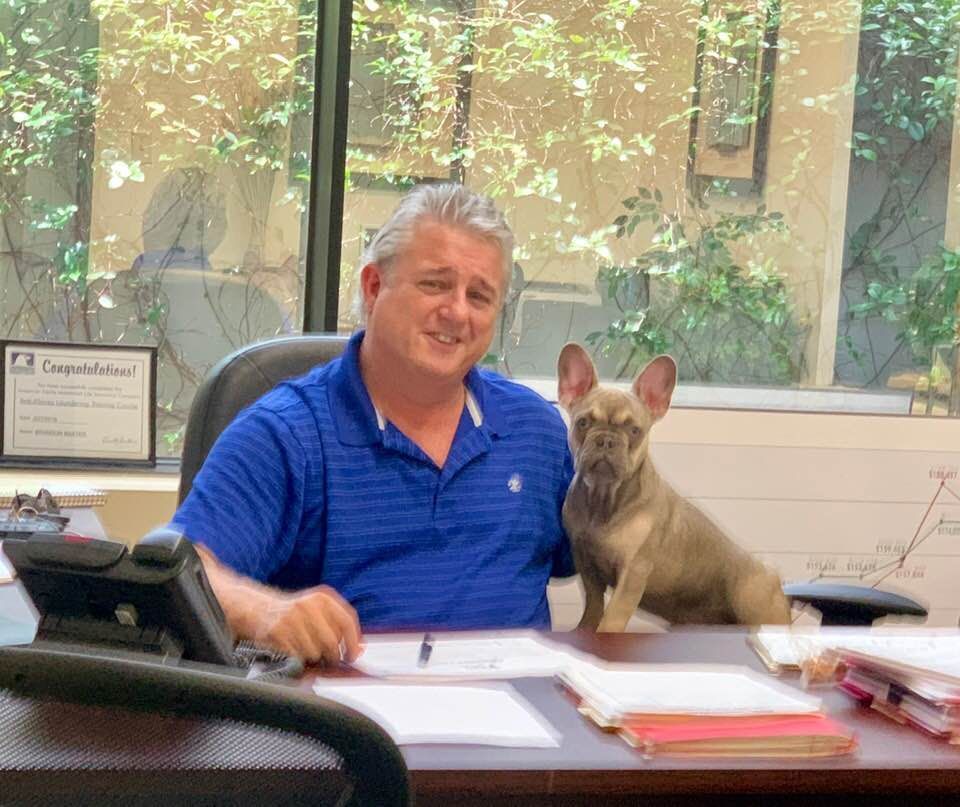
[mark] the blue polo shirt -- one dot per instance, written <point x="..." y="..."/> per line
<point x="309" y="485"/>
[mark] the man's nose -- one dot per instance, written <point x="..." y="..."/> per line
<point x="605" y="441"/>
<point x="456" y="304"/>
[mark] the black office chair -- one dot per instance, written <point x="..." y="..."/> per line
<point x="85" y="729"/>
<point x="843" y="604"/>
<point x="249" y="372"/>
<point x="239" y="380"/>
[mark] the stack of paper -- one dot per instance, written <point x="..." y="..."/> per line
<point x="916" y="682"/>
<point x="814" y="735"/>
<point x="510" y="654"/>
<point x="414" y="713"/>
<point x="77" y="503"/>
<point x="711" y="710"/>
<point x="783" y="648"/>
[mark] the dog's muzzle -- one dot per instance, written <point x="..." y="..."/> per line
<point x="603" y="456"/>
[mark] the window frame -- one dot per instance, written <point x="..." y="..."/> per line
<point x="328" y="159"/>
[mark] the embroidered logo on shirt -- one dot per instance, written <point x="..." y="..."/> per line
<point x="515" y="483"/>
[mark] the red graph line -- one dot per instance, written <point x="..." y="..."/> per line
<point x="892" y="566"/>
<point x="879" y="580"/>
<point x="950" y="490"/>
<point x="923" y="520"/>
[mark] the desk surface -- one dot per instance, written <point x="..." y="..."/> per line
<point x="592" y="767"/>
<point x="894" y="764"/>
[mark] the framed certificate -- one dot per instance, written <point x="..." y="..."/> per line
<point x="78" y="404"/>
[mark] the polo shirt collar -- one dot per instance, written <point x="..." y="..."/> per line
<point x="494" y="419"/>
<point x="350" y="403"/>
<point x="357" y="420"/>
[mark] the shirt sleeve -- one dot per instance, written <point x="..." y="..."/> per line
<point x="246" y="503"/>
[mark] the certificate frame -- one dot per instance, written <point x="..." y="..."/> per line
<point x="91" y="368"/>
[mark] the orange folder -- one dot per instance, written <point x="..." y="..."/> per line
<point x="804" y="735"/>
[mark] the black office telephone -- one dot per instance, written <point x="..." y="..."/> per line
<point x="154" y="598"/>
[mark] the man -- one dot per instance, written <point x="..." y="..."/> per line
<point x="398" y="487"/>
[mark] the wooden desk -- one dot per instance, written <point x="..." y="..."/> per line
<point x="894" y="764"/>
<point x="160" y="759"/>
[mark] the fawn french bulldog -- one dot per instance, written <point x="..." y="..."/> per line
<point x="631" y="531"/>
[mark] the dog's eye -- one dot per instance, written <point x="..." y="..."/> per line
<point x="583" y="422"/>
<point x="636" y="431"/>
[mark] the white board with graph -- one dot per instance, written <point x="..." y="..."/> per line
<point x="876" y="517"/>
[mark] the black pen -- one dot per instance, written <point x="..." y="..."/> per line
<point x="426" y="648"/>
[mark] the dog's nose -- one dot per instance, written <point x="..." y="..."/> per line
<point x="604" y="441"/>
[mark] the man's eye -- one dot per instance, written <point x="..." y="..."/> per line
<point x="480" y="297"/>
<point x="431" y="285"/>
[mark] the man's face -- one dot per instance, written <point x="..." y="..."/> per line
<point x="435" y="308"/>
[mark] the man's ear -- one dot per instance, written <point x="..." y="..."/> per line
<point x="576" y="375"/>
<point x="371" y="282"/>
<point x="654" y="386"/>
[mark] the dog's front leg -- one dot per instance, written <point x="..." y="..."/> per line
<point x="593" y="591"/>
<point x="594" y="587"/>
<point x="625" y="598"/>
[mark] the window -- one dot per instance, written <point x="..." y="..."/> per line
<point x="153" y="178"/>
<point x="767" y="190"/>
<point x="759" y="188"/>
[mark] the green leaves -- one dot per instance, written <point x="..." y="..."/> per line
<point x="687" y="285"/>
<point x="121" y="171"/>
<point x="924" y="306"/>
<point x="52" y="217"/>
<point x="915" y="130"/>
<point x="72" y="265"/>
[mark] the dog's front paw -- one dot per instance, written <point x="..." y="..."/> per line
<point x="588" y="622"/>
<point x="612" y="624"/>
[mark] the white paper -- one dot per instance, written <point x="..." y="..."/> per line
<point x="937" y="649"/>
<point x="463" y="657"/>
<point x="422" y="713"/>
<point x="6" y="569"/>
<point x="613" y="690"/>
<point x="18" y="616"/>
<point x="84" y="520"/>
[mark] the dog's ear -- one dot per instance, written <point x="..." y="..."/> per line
<point x="654" y="386"/>
<point x="576" y="375"/>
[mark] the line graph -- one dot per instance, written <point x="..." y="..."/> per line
<point x="883" y="517"/>
<point x="870" y="570"/>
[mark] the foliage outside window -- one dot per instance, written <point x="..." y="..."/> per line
<point x="806" y="250"/>
<point x="153" y="169"/>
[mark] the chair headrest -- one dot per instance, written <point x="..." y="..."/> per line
<point x="239" y="380"/>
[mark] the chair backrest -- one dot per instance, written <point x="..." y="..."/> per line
<point x="78" y="728"/>
<point x="239" y="380"/>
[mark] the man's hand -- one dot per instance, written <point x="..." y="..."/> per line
<point x="315" y="624"/>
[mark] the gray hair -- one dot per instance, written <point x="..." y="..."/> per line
<point x="446" y="203"/>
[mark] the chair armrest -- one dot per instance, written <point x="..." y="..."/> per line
<point x="852" y="605"/>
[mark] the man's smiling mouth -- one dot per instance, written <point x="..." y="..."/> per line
<point x="445" y="339"/>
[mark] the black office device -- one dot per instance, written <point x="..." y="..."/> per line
<point x="153" y="598"/>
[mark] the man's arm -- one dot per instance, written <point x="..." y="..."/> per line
<point x="242" y="514"/>
<point x="316" y="624"/>
<point x="563" y="564"/>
